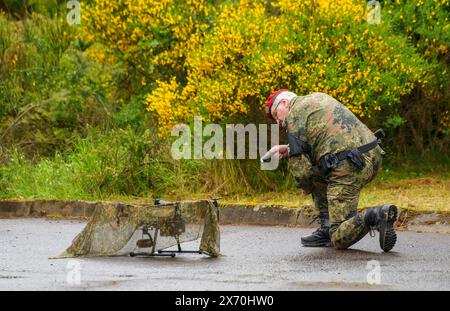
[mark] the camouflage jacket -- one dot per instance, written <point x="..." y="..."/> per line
<point x="327" y="126"/>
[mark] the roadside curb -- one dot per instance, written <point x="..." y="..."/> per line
<point x="229" y="214"/>
<point x="46" y="208"/>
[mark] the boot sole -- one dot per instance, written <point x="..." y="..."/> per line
<point x="323" y="243"/>
<point x="388" y="237"/>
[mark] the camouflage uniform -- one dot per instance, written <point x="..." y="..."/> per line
<point x="329" y="127"/>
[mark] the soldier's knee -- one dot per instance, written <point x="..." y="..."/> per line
<point x="337" y="240"/>
<point x="338" y="243"/>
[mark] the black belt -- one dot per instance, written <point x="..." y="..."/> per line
<point x="330" y="161"/>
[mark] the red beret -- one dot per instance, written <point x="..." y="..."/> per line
<point x="270" y="101"/>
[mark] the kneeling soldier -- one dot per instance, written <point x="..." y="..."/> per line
<point x="332" y="155"/>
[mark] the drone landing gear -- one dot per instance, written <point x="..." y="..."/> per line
<point x="164" y="253"/>
<point x="143" y="254"/>
<point x="151" y="241"/>
<point x="173" y="253"/>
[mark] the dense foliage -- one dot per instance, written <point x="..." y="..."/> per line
<point x="216" y="60"/>
<point x="81" y="105"/>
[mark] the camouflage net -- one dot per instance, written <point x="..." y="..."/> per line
<point x="118" y="229"/>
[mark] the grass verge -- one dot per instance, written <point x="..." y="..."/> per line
<point x="423" y="194"/>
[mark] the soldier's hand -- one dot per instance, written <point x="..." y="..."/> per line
<point x="280" y="151"/>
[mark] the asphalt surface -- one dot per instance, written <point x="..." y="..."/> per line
<point x="254" y="258"/>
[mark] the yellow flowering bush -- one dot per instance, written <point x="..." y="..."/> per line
<point x="365" y="66"/>
<point x="305" y="46"/>
<point x="150" y="36"/>
<point x="217" y="59"/>
<point x="217" y="82"/>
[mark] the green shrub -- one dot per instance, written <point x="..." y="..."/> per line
<point x="73" y="123"/>
<point x="49" y="89"/>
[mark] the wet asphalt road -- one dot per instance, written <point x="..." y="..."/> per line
<point x="255" y="258"/>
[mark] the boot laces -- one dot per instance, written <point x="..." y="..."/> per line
<point x="319" y="221"/>
<point x="317" y="230"/>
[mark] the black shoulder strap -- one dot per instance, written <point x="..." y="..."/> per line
<point x="297" y="146"/>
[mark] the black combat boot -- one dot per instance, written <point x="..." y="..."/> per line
<point x="320" y="237"/>
<point x="382" y="218"/>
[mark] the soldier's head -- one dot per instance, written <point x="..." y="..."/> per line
<point x="278" y="105"/>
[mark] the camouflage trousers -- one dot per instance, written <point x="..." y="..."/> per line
<point x="338" y="194"/>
